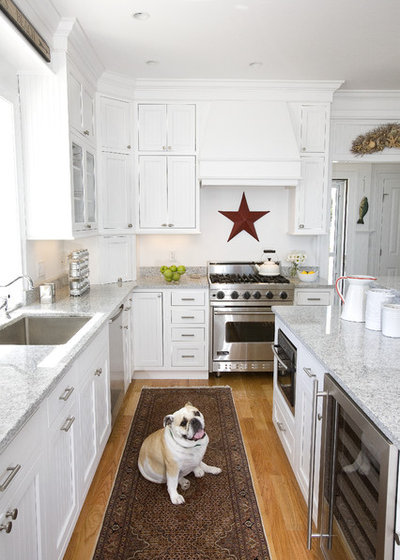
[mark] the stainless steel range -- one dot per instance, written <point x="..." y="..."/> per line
<point x="242" y="323"/>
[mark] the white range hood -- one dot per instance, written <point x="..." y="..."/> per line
<point x="247" y="143"/>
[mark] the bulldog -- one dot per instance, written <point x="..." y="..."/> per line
<point x="176" y="450"/>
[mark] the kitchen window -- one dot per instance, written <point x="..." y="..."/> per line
<point x="10" y="233"/>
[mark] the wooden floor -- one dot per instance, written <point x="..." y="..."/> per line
<point x="281" y="503"/>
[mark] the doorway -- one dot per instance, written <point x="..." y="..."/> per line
<point x="337" y="229"/>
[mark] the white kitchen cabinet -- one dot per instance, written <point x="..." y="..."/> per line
<point x="167" y="193"/>
<point x="167" y="128"/>
<point x="115" y="125"/>
<point x="22" y="494"/>
<point x="81" y="106"/>
<point x="308" y="371"/>
<point x="83" y="186"/>
<point x="307" y="202"/>
<point x="127" y="327"/>
<point x="118" y="258"/>
<point x="313" y="128"/>
<point x="313" y="296"/>
<point x="117" y="200"/>
<point x="148" y="346"/>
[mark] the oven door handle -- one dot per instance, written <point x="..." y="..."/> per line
<point x="282" y="363"/>
<point x="238" y="311"/>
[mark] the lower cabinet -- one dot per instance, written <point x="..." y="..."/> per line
<point x="47" y="469"/>
<point x="171" y="332"/>
<point x="307" y="296"/>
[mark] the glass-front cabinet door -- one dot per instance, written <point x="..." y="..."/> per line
<point x="77" y="185"/>
<point x="83" y="187"/>
<point x="90" y="189"/>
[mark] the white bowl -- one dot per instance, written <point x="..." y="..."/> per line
<point x="307" y="277"/>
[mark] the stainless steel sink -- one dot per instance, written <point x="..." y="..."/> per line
<point x="46" y="331"/>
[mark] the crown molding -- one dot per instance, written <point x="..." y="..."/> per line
<point x="71" y="39"/>
<point x="112" y="83"/>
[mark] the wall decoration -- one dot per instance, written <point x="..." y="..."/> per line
<point x="243" y="219"/>
<point x="362" y="210"/>
<point x="385" y="136"/>
<point x="23" y="25"/>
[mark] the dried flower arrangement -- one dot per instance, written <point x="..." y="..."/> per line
<point x="385" y="136"/>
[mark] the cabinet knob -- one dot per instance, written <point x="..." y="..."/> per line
<point x="6" y="527"/>
<point x="88" y="226"/>
<point x="163" y="225"/>
<point x="281" y="426"/>
<point x="13" y="513"/>
<point x="164" y="148"/>
<point x="169" y="148"/>
<point x="86" y="132"/>
<point x="303" y="149"/>
<point x="129" y="146"/>
<point x="98" y="371"/>
<point x="170" y="225"/>
<point x="301" y="226"/>
<point x="130" y="225"/>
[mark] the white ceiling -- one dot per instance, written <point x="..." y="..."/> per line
<point x="353" y="40"/>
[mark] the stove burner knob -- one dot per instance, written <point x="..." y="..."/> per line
<point x="246" y="295"/>
<point x="256" y="295"/>
<point x="283" y="295"/>
<point x="269" y="295"/>
<point x="234" y="295"/>
<point x="220" y="295"/>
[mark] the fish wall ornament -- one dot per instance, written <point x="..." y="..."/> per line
<point x="363" y="209"/>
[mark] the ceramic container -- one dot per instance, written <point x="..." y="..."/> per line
<point x="391" y="320"/>
<point x="376" y="297"/>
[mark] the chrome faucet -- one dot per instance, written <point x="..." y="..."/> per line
<point x="4" y="305"/>
<point x="24" y="276"/>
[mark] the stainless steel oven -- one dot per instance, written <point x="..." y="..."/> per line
<point x="358" y="482"/>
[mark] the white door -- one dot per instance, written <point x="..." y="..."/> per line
<point x="152" y="128"/>
<point x="311" y="196"/>
<point x="118" y="258"/>
<point x="115" y="118"/>
<point x="90" y="190"/>
<point x="101" y="374"/>
<point x="389" y="259"/>
<point x="153" y="192"/>
<point x="75" y="102"/>
<point x="25" y="540"/>
<point x="148" y="330"/>
<point x="88" y="445"/>
<point x="181" y="128"/>
<point x="127" y="343"/>
<point x="88" y="114"/>
<point x="313" y="128"/>
<point x="117" y="208"/>
<point x="181" y="192"/>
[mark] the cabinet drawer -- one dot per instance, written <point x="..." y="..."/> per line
<point x="62" y="394"/>
<point x="284" y="430"/>
<point x="187" y="335"/>
<point x="308" y="297"/>
<point x="186" y="297"/>
<point x="187" y="315"/>
<point x="187" y="355"/>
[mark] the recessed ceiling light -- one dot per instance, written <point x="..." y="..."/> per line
<point x="255" y="64"/>
<point x="141" y="16"/>
<point x="152" y="62"/>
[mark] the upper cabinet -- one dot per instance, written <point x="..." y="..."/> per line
<point x="81" y="106"/>
<point x="313" y="128"/>
<point x="115" y="125"/>
<point x="167" y="128"/>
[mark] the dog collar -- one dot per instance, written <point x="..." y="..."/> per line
<point x="172" y="435"/>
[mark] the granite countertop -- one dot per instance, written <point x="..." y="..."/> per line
<point x="29" y="373"/>
<point x="364" y="362"/>
<point x="151" y="278"/>
<point x="319" y="283"/>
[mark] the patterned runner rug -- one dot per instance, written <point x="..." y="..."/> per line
<point x="219" y="520"/>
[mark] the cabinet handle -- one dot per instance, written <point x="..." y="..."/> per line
<point x="275" y="353"/>
<point x="187" y="334"/>
<point x="125" y="327"/>
<point x="13" y="513"/>
<point x="86" y="132"/>
<point x="397" y="538"/>
<point x="67" y="424"/>
<point x="281" y="426"/>
<point x="67" y="393"/>
<point x="170" y="225"/>
<point x="130" y="225"/>
<point x="311" y="477"/>
<point x="187" y="299"/>
<point x="301" y="226"/>
<point x="313" y="299"/>
<point x="6" y="527"/>
<point x="98" y="372"/>
<point x="12" y="472"/>
<point x="307" y="370"/>
<point x="169" y="148"/>
<point x="88" y="226"/>
<point x="303" y="149"/>
<point x="164" y="148"/>
<point x="187" y="356"/>
<point x="129" y="146"/>
<point x="163" y="225"/>
<point x="187" y="316"/>
<point x="127" y="308"/>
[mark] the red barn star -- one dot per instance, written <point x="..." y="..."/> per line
<point x="243" y="219"/>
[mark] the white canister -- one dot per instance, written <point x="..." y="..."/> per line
<point x="391" y="320"/>
<point x="376" y="297"/>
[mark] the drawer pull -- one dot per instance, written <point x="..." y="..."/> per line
<point x="6" y="527"/>
<point x="187" y="334"/>
<point x="307" y="370"/>
<point x="12" y="472"/>
<point x="187" y="316"/>
<point x="13" y="513"/>
<point x="67" y="393"/>
<point x="187" y="299"/>
<point x="281" y="426"/>
<point x="67" y="424"/>
<point x="98" y="371"/>
<point x="313" y="299"/>
<point x="187" y="356"/>
<point x="128" y="308"/>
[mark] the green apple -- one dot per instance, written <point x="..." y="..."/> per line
<point x="168" y="278"/>
<point x="163" y="268"/>
<point x="173" y="268"/>
<point x="181" y="269"/>
<point x="168" y="274"/>
<point x="176" y="276"/>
